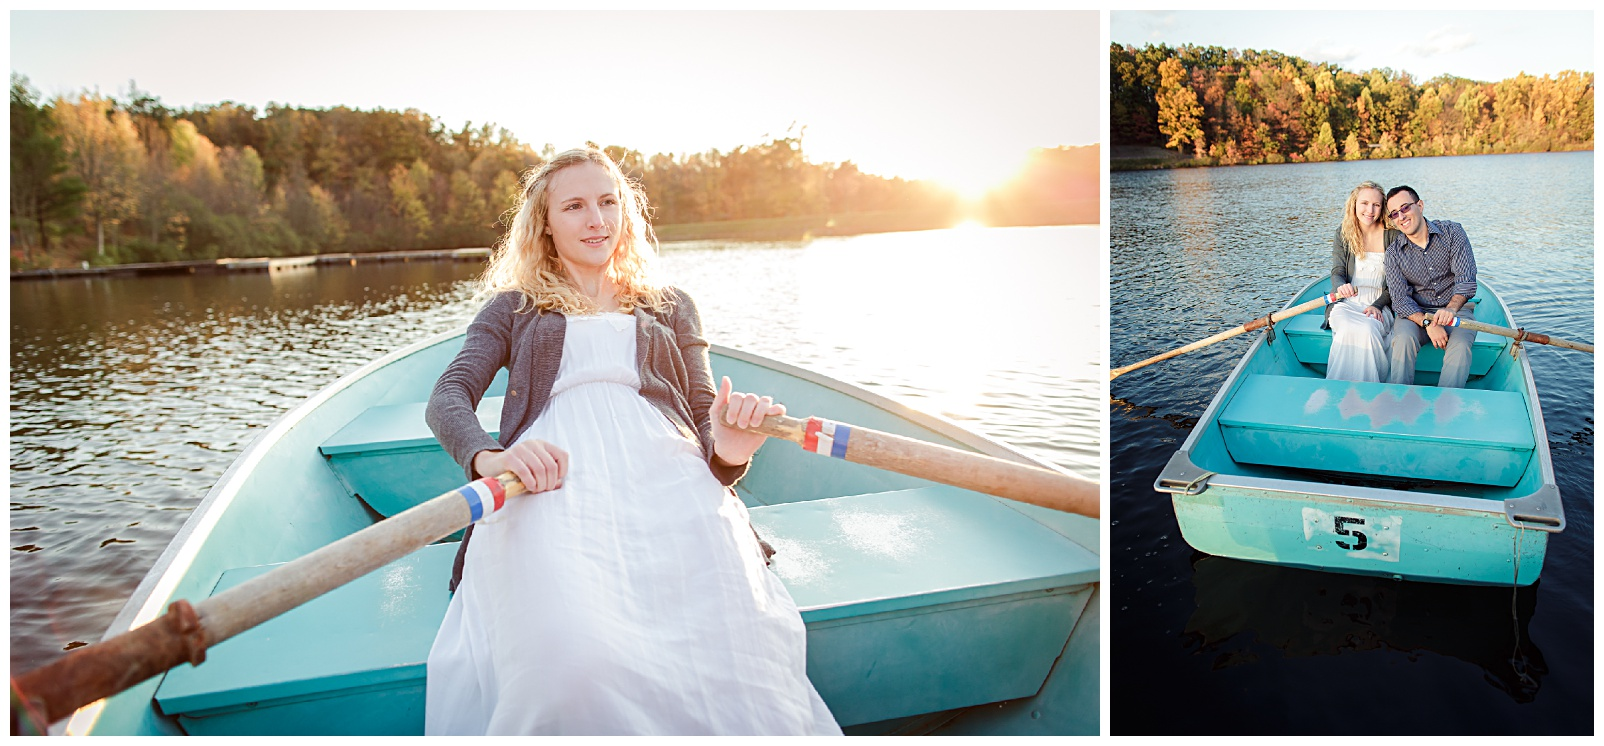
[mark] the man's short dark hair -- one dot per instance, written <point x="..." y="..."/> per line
<point x="1401" y="188"/>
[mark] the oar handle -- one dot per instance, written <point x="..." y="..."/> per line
<point x="937" y="463"/>
<point x="1258" y="323"/>
<point x="1520" y="335"/>
<point x="183" y="634"/>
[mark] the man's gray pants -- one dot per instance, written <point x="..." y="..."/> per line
<point x="1407" y="337"/>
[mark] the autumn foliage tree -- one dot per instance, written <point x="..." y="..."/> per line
<point x="1178" y="109"/>
<point x="102" y="151"/>
<point x="1250" y="106"/>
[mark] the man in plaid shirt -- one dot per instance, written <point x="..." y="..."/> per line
<point x="1431" y="274"/>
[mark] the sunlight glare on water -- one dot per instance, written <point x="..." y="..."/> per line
<point x="130" y="396"/>
<point x="961" y="323"/>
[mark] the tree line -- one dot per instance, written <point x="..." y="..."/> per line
<point x="129" y="179"/>
<point x="1226" y="107"/>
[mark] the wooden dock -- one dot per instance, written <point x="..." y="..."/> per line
<point x="259" y="264"/>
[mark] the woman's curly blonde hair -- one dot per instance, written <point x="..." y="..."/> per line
<point x="525" y="260"/>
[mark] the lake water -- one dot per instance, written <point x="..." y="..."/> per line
<point x="1209" y="645"/>
<point x="131" y="396"/>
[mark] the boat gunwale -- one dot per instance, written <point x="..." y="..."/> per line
<point x="156" y="588"/>
<point x="936" y="423"/>
<point x="1529" y="511"/>
<point x="1549" y="488"/>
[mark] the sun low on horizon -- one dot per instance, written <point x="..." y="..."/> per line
<point x="960" y="99"/>
<point x="970" y="178"/>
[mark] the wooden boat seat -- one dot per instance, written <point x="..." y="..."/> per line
<point x="915" y="601"/>
<point x="1381" y="429"/>
<point x="388" y="456"/>
<point x="1312" y="346"/>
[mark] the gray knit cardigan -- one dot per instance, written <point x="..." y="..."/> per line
<point x="1342" y="268"/>
<point x="670" y="356"/>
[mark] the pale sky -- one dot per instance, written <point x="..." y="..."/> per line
<point x="1479" y="45"/>
<point x="943" y="95"/>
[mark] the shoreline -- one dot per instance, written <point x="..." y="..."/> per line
<point x="800" y="228"/>
<point x="1149" y="161"/>
<point x="257" y="264"/>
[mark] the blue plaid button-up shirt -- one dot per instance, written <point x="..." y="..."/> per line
<point x="1429" y="277"/>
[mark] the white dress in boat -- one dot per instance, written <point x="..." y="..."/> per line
<point x="633" y="600"/>
<point x="1359" y="349"/>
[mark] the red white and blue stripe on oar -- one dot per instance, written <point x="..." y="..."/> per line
<point x="826" y="437"/>
<point x="480" y="492"/>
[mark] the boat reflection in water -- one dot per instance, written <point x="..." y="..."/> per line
<point x="1306" y="613"/>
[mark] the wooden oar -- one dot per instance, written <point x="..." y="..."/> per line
<point x="937" y="463"/>
<point x="1521" y="335"/>
<point x="183" y="634"/>
<point x="1259" y="323"/>
<point x="88" y="674"/>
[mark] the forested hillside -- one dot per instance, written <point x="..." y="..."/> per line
<point x="112" y="180"/>
<point x="1226" y="106"/>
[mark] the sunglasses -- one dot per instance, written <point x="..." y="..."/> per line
<point x="1400" y="211"/>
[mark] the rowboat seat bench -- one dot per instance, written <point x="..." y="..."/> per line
<point x="1392" y="430"/>
<point x="1312" y="346"/>
<point x="1408" y="482"/>
<point x="350" y="662"/>
<point x="927" y="599"/>
<point x="389" y="458"/>
<point x="915" y="601"/>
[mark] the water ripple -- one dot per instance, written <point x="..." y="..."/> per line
<point x="1220" y="646"/>
<point x="131" y="396"/>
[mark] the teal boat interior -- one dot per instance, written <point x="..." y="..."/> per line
<point x="1278" y="418"/>
<point x="929" y="609"/>
<point x="1409" y="481"/>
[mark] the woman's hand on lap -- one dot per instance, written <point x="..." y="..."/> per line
<point x="1374" y="313"/>
<point x="734" y="412"/>
<point x="541" y="466"/>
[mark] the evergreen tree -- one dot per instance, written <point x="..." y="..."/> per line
<point x="43" y="196"/>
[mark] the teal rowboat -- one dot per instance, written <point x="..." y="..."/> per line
<point x="929" y="609"/>
<point x="1404" y="481"/>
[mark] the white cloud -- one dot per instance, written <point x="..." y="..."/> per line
<point x="1325" y="51"/>
<point x="1442" y="41"/>
<point x="1130" y="26"/>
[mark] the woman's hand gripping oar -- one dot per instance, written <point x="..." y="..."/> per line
<point x="1260" y="323"/>
<point x="93" y="672"/>
<point x="1520" y="335"/>
<point x="937" y="463"/>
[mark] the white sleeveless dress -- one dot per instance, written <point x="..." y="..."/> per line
<point x="633" y="600"/>
<point x="1359" y="349"/>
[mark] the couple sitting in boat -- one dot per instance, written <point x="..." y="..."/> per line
<point x="631" y="596"/>
<point x="1403" y="279"/>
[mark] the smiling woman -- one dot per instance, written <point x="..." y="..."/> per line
<point x="579" y="221"/>
<point x="631" y="594"/>
<point x="584" y="218"/>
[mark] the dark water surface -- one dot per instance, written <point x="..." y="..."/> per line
<point x="131" y="396"/>
<point x="1206" y="645"/>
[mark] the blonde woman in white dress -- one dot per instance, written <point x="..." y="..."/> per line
<point x="1361" y="322"/>
<point x="629" y="593"/>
